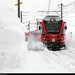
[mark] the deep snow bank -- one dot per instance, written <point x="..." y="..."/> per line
<point x="11" y="37"/>
<point x="70" y="36"/>
<point x="13" y="47"/>
<point x="8" y="17"/>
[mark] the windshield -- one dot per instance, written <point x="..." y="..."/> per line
<point x="52" y="26"/>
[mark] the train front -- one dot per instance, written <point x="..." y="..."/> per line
<point x="52" y="31"/>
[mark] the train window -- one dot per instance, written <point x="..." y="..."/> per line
<point x="63" y="32"/>
<point x="41" y="31"/>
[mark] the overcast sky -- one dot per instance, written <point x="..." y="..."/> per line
<point x="29" y="4"/>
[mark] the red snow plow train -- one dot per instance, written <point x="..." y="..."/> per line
<point x="52" y="32"/>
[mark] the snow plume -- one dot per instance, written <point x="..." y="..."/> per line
<point x="34" y="43"/>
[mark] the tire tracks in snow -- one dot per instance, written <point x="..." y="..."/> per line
<point x="62" y="58"/>
<point x="57" y="61"/>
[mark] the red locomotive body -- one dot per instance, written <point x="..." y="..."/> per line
<point x="52" y="32"/>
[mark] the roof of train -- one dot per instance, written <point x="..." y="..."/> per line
<point x="56" y="17"/>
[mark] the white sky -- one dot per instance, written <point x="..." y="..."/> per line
<point x="28" y="4"/>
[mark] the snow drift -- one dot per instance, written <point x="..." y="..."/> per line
<point x="12" y="40"/>
<point x="70" y="36"/>
<point x="9" y="17"/>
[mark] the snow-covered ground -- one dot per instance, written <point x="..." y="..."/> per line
<point x="14" y="54"/>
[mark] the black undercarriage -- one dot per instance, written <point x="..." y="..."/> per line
<point x="54" y="45"/>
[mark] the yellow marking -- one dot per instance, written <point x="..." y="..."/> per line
<point x="20" y="3"/>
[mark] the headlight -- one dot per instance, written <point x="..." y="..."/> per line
<point x="44" y="38"/>
<point x="62" y="38"/>
<point x="53" y="40"/>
